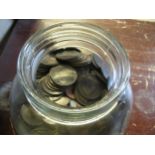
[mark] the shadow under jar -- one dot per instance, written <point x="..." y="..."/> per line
<point x="33" y="113"/>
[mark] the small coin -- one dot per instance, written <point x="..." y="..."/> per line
<point x="54" y="98"/>
<point x="68" y="55"/>
<point x="63" y="75"/>
<point x="49" y="61"/>
<point x="63" y="101"/>
<point x="74" y="104"/>
<point x="30" y="116"/>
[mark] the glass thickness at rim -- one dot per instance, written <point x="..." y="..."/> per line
<point x="82" y="26"/>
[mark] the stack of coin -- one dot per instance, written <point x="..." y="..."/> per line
<point x="56" y="81"/>
<point x="74" y="79"/>
<point x="47" y="62"/>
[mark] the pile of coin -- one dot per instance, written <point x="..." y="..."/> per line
<point x="71" y="78"/>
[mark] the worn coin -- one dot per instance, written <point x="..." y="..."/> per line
<point x="68" y="55"/>
<point x="49" y="61"/>
<point x="74" y="104"/>
<point x="84" y="60"/>
<point x="63" y="101"/>
<point x="63" y="75"/>
<point x="90" y="87"/>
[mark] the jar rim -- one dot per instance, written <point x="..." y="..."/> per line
<point x="99" y="104"/>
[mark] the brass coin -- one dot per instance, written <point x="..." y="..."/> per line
<point x="63" y="101"/>
<point x="63" y="75"/>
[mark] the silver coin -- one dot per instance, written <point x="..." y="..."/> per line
<point x="63" y="101"/>
<point x="30" y="116"/>
<point x="49" y="61"/>
<point x="68" y="55"/>
<point x="82" y="61"/>
<point x="63" y="75"/>
<point x="48" y="88"/>
<point x="54" y="98"/>
<point x="74" y="104"/>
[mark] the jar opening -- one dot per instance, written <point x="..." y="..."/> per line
<point x="83" y="36"/>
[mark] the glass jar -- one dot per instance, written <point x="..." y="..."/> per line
<point x="109" y="115"/>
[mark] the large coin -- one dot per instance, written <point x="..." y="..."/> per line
<point x="63" y="75"/>
<point x="90" y="87"/>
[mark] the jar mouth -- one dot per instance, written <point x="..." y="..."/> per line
<point x="28" y="50"/>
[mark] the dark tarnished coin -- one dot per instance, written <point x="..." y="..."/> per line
<point x="100" y="77"/>
<point x="63" y="75"/>
<point x="90" y="87"/>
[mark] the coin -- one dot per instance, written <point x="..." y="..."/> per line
<point x="63" y="75"/>
<point x="49" y="61"/>
<point x="63" y="101"/>
<point x="90" y="87"/>
<point x="74" y="104"/>
<point x="69" y="92"/>
<point x="82" y="61"/>
<point x="68" y="55"/>
<point x="100" y="77"/>
<point x="30" y="116"/>
<point x="54" y="98"/>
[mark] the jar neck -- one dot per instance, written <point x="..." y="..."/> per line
<point x="79" y="35"/>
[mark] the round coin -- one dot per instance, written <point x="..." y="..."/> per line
<point x="63" y="101"/>
<point x="63" y="75"/>
<point x="68" y="55"/>
<point x="49" y="61"/>
<point x="90" y="87"/>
